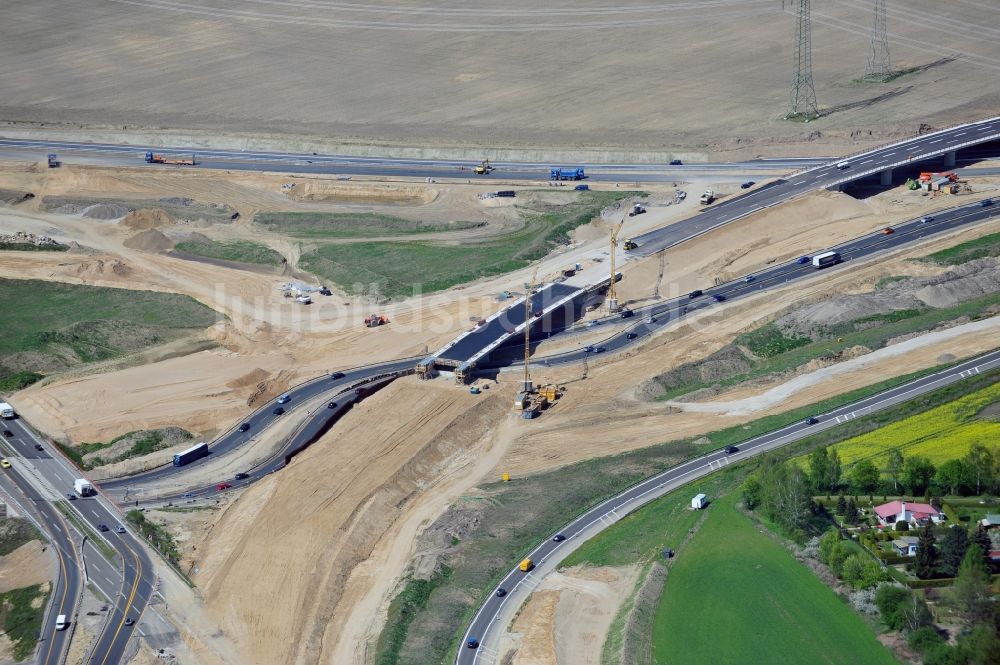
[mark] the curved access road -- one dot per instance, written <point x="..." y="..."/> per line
<point x="496" y="612"/>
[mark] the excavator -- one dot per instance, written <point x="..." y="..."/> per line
<point x="484" y="168"/>
<point x="375" y="320"/>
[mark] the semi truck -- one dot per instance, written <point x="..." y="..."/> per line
<point x="83" y="487"/>
<point x="566" y="173"/>
<point x="191" y="454"/>
<point x="153" y="158"/>
<point x="825" y="259"/>
<point x="53" y="160"/>
<point x="7" y="411"/>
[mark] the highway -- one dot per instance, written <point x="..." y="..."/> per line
<point x="903" y="153"/>
<point x="496" y="612"/>
<point x="67" y="587"/>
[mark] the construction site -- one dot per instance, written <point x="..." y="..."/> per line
<point x="450" y="327"/>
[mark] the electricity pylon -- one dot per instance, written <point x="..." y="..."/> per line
<point x="878" y="67"/>
<point x="803" y="101"/>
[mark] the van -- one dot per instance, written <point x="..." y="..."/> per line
<point x="527" y="565"/>
<point x="61" y="622"/>
<point x="843" y="165"/>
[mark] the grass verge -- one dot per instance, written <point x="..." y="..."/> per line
<point x="157" y="535"/>
<point x="330" y="225"/>
<point x="402" y="610"/>
<point x="21" y="614"/>
<point x="15" y="532"/>
<point x="32" y="247"/>
<point x="102" y="546"/>
<point x="242" y="251"/>
<point x="988" y="245"/>
<point x="16" y="381"/>
<point x="143" y="442"/>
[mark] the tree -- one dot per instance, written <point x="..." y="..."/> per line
<point x="819" y="468"/>
<point x="894" y="467"/>
<point x="951" y="475"/>
<point x="979" y="464"/>
<point x="865" y="476"/>
<point x="981" y="537"/>
<point x="841" y="505"/>
<point x="785" y="495"/>
<point x="926" y="553"/>
<point x="851" y="515"/>
<point x="915" y="613"/>
<point x="969" y="595"/>
<point x="918" y="472"/>
<point x="890" y="599"/>
<point x="827" y="543"/>
<point x="833" y="471"/>
<point x="952" y="550"/>
<point x="751" y="492"/>
<point x="902" y="525"/>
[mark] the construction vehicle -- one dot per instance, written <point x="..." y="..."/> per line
<point x="54" y="162"/>
<point x="630" y="244"/>
<point x="152" y="158"/>
<point x="612" y="293"/>
<point x="375" y="320"/>
<point x="304" y="299"/>
<point x="707" y="197"/>
<point x="637" y="209"/>
<point x="325" y="291"/>
<point x="475" y="390"/>
<point x="484" y="168"/>
<point x="566" y="173"/>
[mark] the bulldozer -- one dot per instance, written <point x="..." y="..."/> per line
<point x="630" y="244"/>
<point x="484" y="168"/>
<point x="375" y="320"/>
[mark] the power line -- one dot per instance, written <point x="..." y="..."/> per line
<point x="803" y="101"/>
<point x="878" y="66"/>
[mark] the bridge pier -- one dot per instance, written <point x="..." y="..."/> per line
<point x="886" y="177"/>
<point x="949" y="159"/>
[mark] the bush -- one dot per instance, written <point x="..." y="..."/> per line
<point x="902" y="525"/>
<point x="890" y="599"/>
<point x="924" y="639"/>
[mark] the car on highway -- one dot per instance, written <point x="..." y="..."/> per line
<point x="278" y="411"/>
<point x="926" y="218"/>
<point x="39" y="447"/>
<point x="222" y="486"/>
<point x="558" y="538"/>
<point x="676" y="162"/>
<point x="188" y="495"/>
<point x="501" y="592"/>
<point x="748" y="279"/>
<point x="119" y="529"/>
<point x="718" y="297"/>
<point x="102" y="528"/>
<point x="986" y="202"/>
<point x="331" y="405"/>
<point x="244" y="427"/>
<point x="337" y="375"/>
<point x="888" y="231"/>
<point x="591" y="324"/>
<point x="748" y="184"/>
<point x="242" y="476"/>
<point x="732" y="449"/>
<point x="473" y="643"/>
<point x="627" y="314"/>
<point x="285" y="399"/>
<point x="129" y="621"/>
<point x="4" y="464"/>
<point x="70" y="496"/>
<point x="803" y="259"/>
<point x="589" y="348"/>
<point x="650" y="319"/>
<point x="8" y="433"/>
<point x="599" y="349"/>
<point x="696" y="293"/>
<point x="811" y="420"/>
<point x="630" y="335"/>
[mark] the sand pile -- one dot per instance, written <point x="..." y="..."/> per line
<point x="105" y="211"/>
<point x="146" y="218"/>
<point x="150" y="240"/>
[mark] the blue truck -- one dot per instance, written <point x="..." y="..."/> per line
<point x="191" y="454"/>
<point x="566" y="173"/>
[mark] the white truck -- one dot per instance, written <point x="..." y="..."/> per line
<point x="6" y="411"/>
<point x="707" y="197"/>
<point x="825" y="259"/>
<point x="83" y="487"/>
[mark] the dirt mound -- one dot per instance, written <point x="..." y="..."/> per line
<point x="330" y="192"/>
<point x="25" y="566"/>
<point x="146" y="218"/>
<point x="150" y="240"/>
<point x="105" y="211"/>
<point x="14" y="196"/>
<point x="262" y="385"/>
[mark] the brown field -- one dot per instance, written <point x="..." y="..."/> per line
<point x="694" y="79"/>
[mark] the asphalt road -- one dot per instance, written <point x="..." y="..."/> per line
<point x="824" y="176"/>
<point x="496" y="611"/>
<point x="67" y="587"/>
<point x="129" y="579"/>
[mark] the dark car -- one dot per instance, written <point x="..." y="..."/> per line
<point x="748" y="184"/>
<point x="331" y="405"/>
<point x="630" y="336"/>
<point x="732" y="449"/>
<point x="501" y="592"/>
<point x="803" y="259"/>
<point x="7" y="432"/>
<point x="599" y="349"/>
<point x="627" y="314"/>
<point x="558" y="538"/>
<point x="102" y="527"/>
<point x="71" y="496"/>
<point x="718" y="297"/>
<point x="749" y="278"/>
<point x="696" y="293"/>
<point x="473" y="643"/>
<point x="589" y="348"/>
<point x="129" y="621"/>
<point x="244" y="427"/>
<point x="675" y="162"/>
<point x="986" y="202"/>
<point x="811" y="420"/>
<point x="38" y="447"/>
<point x="337" y="375"/>
<point x="278" y="410"/>
<point x="188" y="495"/>
<point x="242" y="476"/>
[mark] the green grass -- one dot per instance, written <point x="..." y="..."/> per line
<point x="149" y="441"/>
<point x="20" y="620"/>
<point x="351" y="224"/>
<point x="62" y="324"/>
<point x="403" y="269"/>
<point x="157" y="535"/>
<point x="15" y="532"/>
<point x="886" y="281"/>
<point x="988" y="245"/>
<point x="242" y="251"/>
<point x="16" y="381"/>
<point x="768" y="341"/>
<point x="736" y="596"/>
<point x="402" y="610"/>
<point x="32" y="247"/>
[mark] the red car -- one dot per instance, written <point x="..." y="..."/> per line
<point x="888" y="231"/>
<point x="222" y="486"/>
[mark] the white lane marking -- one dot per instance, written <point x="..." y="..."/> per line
<point x="867" y="160"/>
<point x="936" y="141"/>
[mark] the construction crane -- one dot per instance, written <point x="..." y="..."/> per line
<point x="526" y="385"/>
<point x="612" y="291"/>
<point x="484" y="168"/>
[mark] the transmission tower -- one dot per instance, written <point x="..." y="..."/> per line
<point x="803" y="91"/>
<point x="878" y="67"/>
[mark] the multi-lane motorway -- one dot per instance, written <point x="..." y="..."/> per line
<point x="495" y="612"/>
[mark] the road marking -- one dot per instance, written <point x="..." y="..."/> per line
<point x="936" y="141"/>
<point x="867" y="160"/>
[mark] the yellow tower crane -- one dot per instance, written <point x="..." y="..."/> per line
<point x="527" y="386"/>
<point x="612" y="291"/>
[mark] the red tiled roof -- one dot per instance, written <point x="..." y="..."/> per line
<point x="919" y="510"/>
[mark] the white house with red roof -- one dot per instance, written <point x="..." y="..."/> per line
<point x="915" y="514"/>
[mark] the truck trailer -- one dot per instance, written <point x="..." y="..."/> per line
<point x="53" y="160"/>
<point x="191" y="454"/>
<point x="83" y="487"/>
<point x="7" y="411"/>
<point x="153" y="158"/>
<point x="825" y="259"/>
<point x="566" y="173"/>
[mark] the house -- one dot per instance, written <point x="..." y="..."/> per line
<point x="990" y="521"/>
<point x="906" y="546"/>
<point x="699" y="502"/>
<point x="915" y="514"/>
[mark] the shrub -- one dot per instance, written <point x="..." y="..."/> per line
<point x="890" y="599"/>
<point x="924" y="639"/>
<point x="902" y="525"/>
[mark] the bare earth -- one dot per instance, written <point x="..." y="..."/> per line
<point x="26" y="566"/>
<point x="688" y="79"/>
